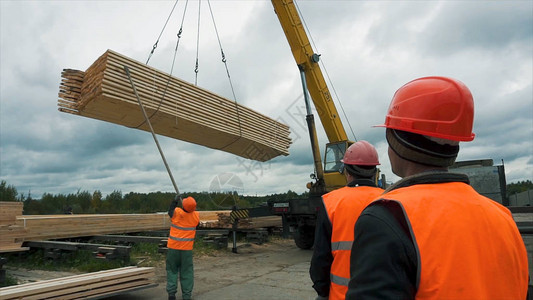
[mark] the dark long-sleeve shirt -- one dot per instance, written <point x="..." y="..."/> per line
<point x="322" y="257"/>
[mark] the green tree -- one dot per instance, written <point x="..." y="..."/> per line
<point x="96" y="202"/>
<point x="7" y="192"/>
<point x="84" y="201"/>
<point x="518" y="187"/>
<point x="53" y="204"/>
<point x="113" y="202"/>
<point x="134" y="202"/>
<point x="32" y="207"/>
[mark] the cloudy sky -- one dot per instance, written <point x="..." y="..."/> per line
<point x="369" y="49"/>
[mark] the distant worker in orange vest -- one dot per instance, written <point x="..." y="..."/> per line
<point x="431" y="235"/>
<point x="184" y="221"/>
<point x="330" y="264"/>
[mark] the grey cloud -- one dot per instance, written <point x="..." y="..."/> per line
<point x="370" y="48"/>
<point x="483" y="25"/>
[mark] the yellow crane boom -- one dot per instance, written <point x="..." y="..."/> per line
<point x="328" y="176"/>
<point x="307" y="59"/>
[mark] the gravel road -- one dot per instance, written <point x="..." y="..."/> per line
<point x="274" y="270"/>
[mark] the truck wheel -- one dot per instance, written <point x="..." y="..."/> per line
<point x="304" y="237"/>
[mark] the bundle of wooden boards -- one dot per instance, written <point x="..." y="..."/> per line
<point x="43" y="227"/>
<point x="224" y="221"/>
<point x="10" y="233"/>
<point x="176" y="108"/>
<point x="94" y="285"/>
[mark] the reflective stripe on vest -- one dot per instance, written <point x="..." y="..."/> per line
<point x="182" y="229"/>
<point x="181" y="239"/>
<point x="343" y="207"/>
<point x="341" y="245"/>
<point x="469" y="246"/>
<point x="339" y="280"/>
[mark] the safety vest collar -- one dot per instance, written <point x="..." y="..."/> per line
<point x="430" y="177"/>
<point x="361" y="182"/>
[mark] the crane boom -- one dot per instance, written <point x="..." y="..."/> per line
<point x="307" y="60"/>
<point x="300" y="214"/>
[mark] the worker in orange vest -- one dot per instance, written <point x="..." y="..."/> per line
<point x="431" y="235"/>
<point x="184" y="221"/>
<point x="330" y="264"/>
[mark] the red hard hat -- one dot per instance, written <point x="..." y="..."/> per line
<point x="440" y="107"/>
<point x="189" y="204"/>
<point x="361" y="153"/>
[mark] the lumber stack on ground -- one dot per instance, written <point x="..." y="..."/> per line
<point x="10" y="232"/>
<point x="224" y="221"/>
<point x="44" y="227"/>
<point x="93" y="285"/>
<point x="176" y="108"/>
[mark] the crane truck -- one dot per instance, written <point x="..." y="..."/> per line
<point x="299" y="215"/>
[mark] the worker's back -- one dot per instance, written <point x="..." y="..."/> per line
<point x="349" y="202"/>
<point x="468" y="245"/>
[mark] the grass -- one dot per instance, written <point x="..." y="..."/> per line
<point x="145" y="254"/>
<point x="10" y="280"/>
<point x="82" y="261"/>
<point x="201" y="248"/>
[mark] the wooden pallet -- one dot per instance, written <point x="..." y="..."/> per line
<point x="84" y="286"/>
<point x="176" y="108"/>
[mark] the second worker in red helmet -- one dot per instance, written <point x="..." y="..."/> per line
<point x="330" y="264"/>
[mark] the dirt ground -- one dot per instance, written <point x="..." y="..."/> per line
<point x="273" y="270"/>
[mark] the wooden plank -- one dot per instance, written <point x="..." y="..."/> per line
<point x="103" y="92"/>
<point x="137" y="111"/>
<point x="124" y="287"/>
<point x="78" y="291"/>
<point x="53" y="285"/>
<point x="14" y="249"/>
<point x="40" y="227"/>
<point x="10" y="234"/>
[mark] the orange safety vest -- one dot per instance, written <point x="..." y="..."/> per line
<point x="468" y="246"/>
<point x="183" y="229"/>
<point x="343" y="207"/>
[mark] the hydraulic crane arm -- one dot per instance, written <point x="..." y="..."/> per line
<point x="328" y="177"/>
<point x="307" y="60"/>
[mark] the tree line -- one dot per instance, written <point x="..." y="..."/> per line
<point x="85" y="202"/>
<point x="518" y="187"/>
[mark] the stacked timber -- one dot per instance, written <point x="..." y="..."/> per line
<point x="176" y="108"/>
<point x="10" y="233"/>
<point x="224" y="221"/>
<point x="94" y="285"/>
<point x="44" y="227"/>
<point x="261" y="222"/>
